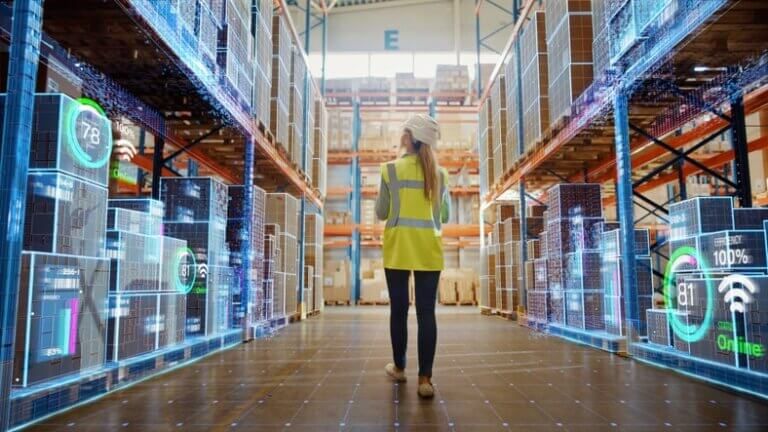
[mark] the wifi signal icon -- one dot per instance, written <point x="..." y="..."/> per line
<point x="744" y="295"/>
<point x="203" y="270"/>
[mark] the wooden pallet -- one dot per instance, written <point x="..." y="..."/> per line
<point x="337" y="302"/>
<point x="282" y="151"/>
<point x="554" y="129"/>
<point x="313" y="313"/>
<point x="487" y="311"/>
<point x="264" y="129"/>
<point x="294" y="318"/>
<point x="512" y="316"/>
<point x="468" y="303"/>
<point x="373" y="302"/>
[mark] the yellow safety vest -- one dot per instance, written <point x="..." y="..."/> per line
<point x="412" y="236"/>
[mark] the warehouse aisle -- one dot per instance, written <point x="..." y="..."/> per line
<point x="326" y="374"/>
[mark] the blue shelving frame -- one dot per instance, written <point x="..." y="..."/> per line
<point x="667" y="25"/>
<point x="26" y="35"/>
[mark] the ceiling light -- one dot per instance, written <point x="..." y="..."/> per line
<point x="709" y="69"/>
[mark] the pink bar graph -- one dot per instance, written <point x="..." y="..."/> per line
<point x="74" y="308"/>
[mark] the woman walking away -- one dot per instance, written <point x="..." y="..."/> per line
<point x="414" y="201"/>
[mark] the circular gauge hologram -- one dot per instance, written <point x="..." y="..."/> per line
<point x="688" y="332"/>
<point x="89" y="134"/>
<point x="186" y="270"/>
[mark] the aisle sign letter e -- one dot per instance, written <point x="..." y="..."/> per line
<point x="391" y="40"/>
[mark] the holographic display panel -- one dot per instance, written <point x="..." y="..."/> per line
<point x="133" y="323"/>
<point x="64" y="215"/>
<point x="196" y="212"/>
<point x="63" y="314"/>
<point x="715" y="293"/>
<point x="71" y="136"/>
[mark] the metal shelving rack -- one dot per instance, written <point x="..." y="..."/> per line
<point x="159" y="88"/>
<point x="357" y="158"/>
<point x="14" y="159"/>
<point x="623" y="128"/>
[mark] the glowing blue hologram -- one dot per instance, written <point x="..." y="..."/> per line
<point x="186" y="270"/>
<point x="65" y="214"/>
<point x="63" y="302"/>
<point x="88" y="133"/>
<point x="690" y="256"/>
<point x="196" y="211"/>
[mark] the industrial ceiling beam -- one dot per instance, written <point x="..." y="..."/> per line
<point x="342" y="8"/>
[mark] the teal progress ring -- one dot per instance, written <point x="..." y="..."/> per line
<point x="687" y="332"/>
<point x="181" y="253"/>
<point x="83" y="158"/>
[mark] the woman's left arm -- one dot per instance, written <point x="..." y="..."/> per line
<point x="445" y="206"/>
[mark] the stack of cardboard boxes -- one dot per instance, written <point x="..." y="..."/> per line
<point x="281" y="86"/>
<point x="457" y="286"/>
<point x="535" y="80"/>
<point x="451" y="82"/>
<point x="339" y="130"/>
<point x="373" y="287"/>
<point x="374" y="91"/>
<point x="498" y="130"/>
<point x="336" y="281"/>
<point x="411" y="90"/>
<point x="569" y="39"/>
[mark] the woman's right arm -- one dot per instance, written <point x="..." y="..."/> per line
<point x="382" y="201"/>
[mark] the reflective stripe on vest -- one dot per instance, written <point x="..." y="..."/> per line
<point x="394" y="189"/>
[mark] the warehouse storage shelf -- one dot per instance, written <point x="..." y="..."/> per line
<point x="659" y="110"/>
<point x="396" y="100"/>
<point x="581" y="147"/>
<point x="446" y="158"/>
<point x="186" y="271"/>
<point x="53" y="52"/>
<point x="644" y="151"/>
<point x="439" y="109"/>
<point x="742" y="379"/>
<point x="709" y="161"/>
<point x="600" y="340"/>
<point x="163" y="74"/>
<point x="373" y="192"/>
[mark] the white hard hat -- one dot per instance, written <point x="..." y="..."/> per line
<point x="423" y="128"/>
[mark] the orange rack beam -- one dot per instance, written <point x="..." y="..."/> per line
<point x="688" y="169"/>
<point x="373" y="191"/>
<point x="338" y="191"/>
<point x="449" y="230"/>
<point x="145" y="162"/>
<point x="446" y="159"/>
<point x="753" y="102"/>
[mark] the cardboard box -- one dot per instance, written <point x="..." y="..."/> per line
<point x="336" y="281"/>
<point x="458" y="285"/>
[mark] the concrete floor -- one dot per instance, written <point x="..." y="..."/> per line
<point x="326" y="374"/>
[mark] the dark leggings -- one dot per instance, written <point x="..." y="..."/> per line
<point x="426" y="298"/>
